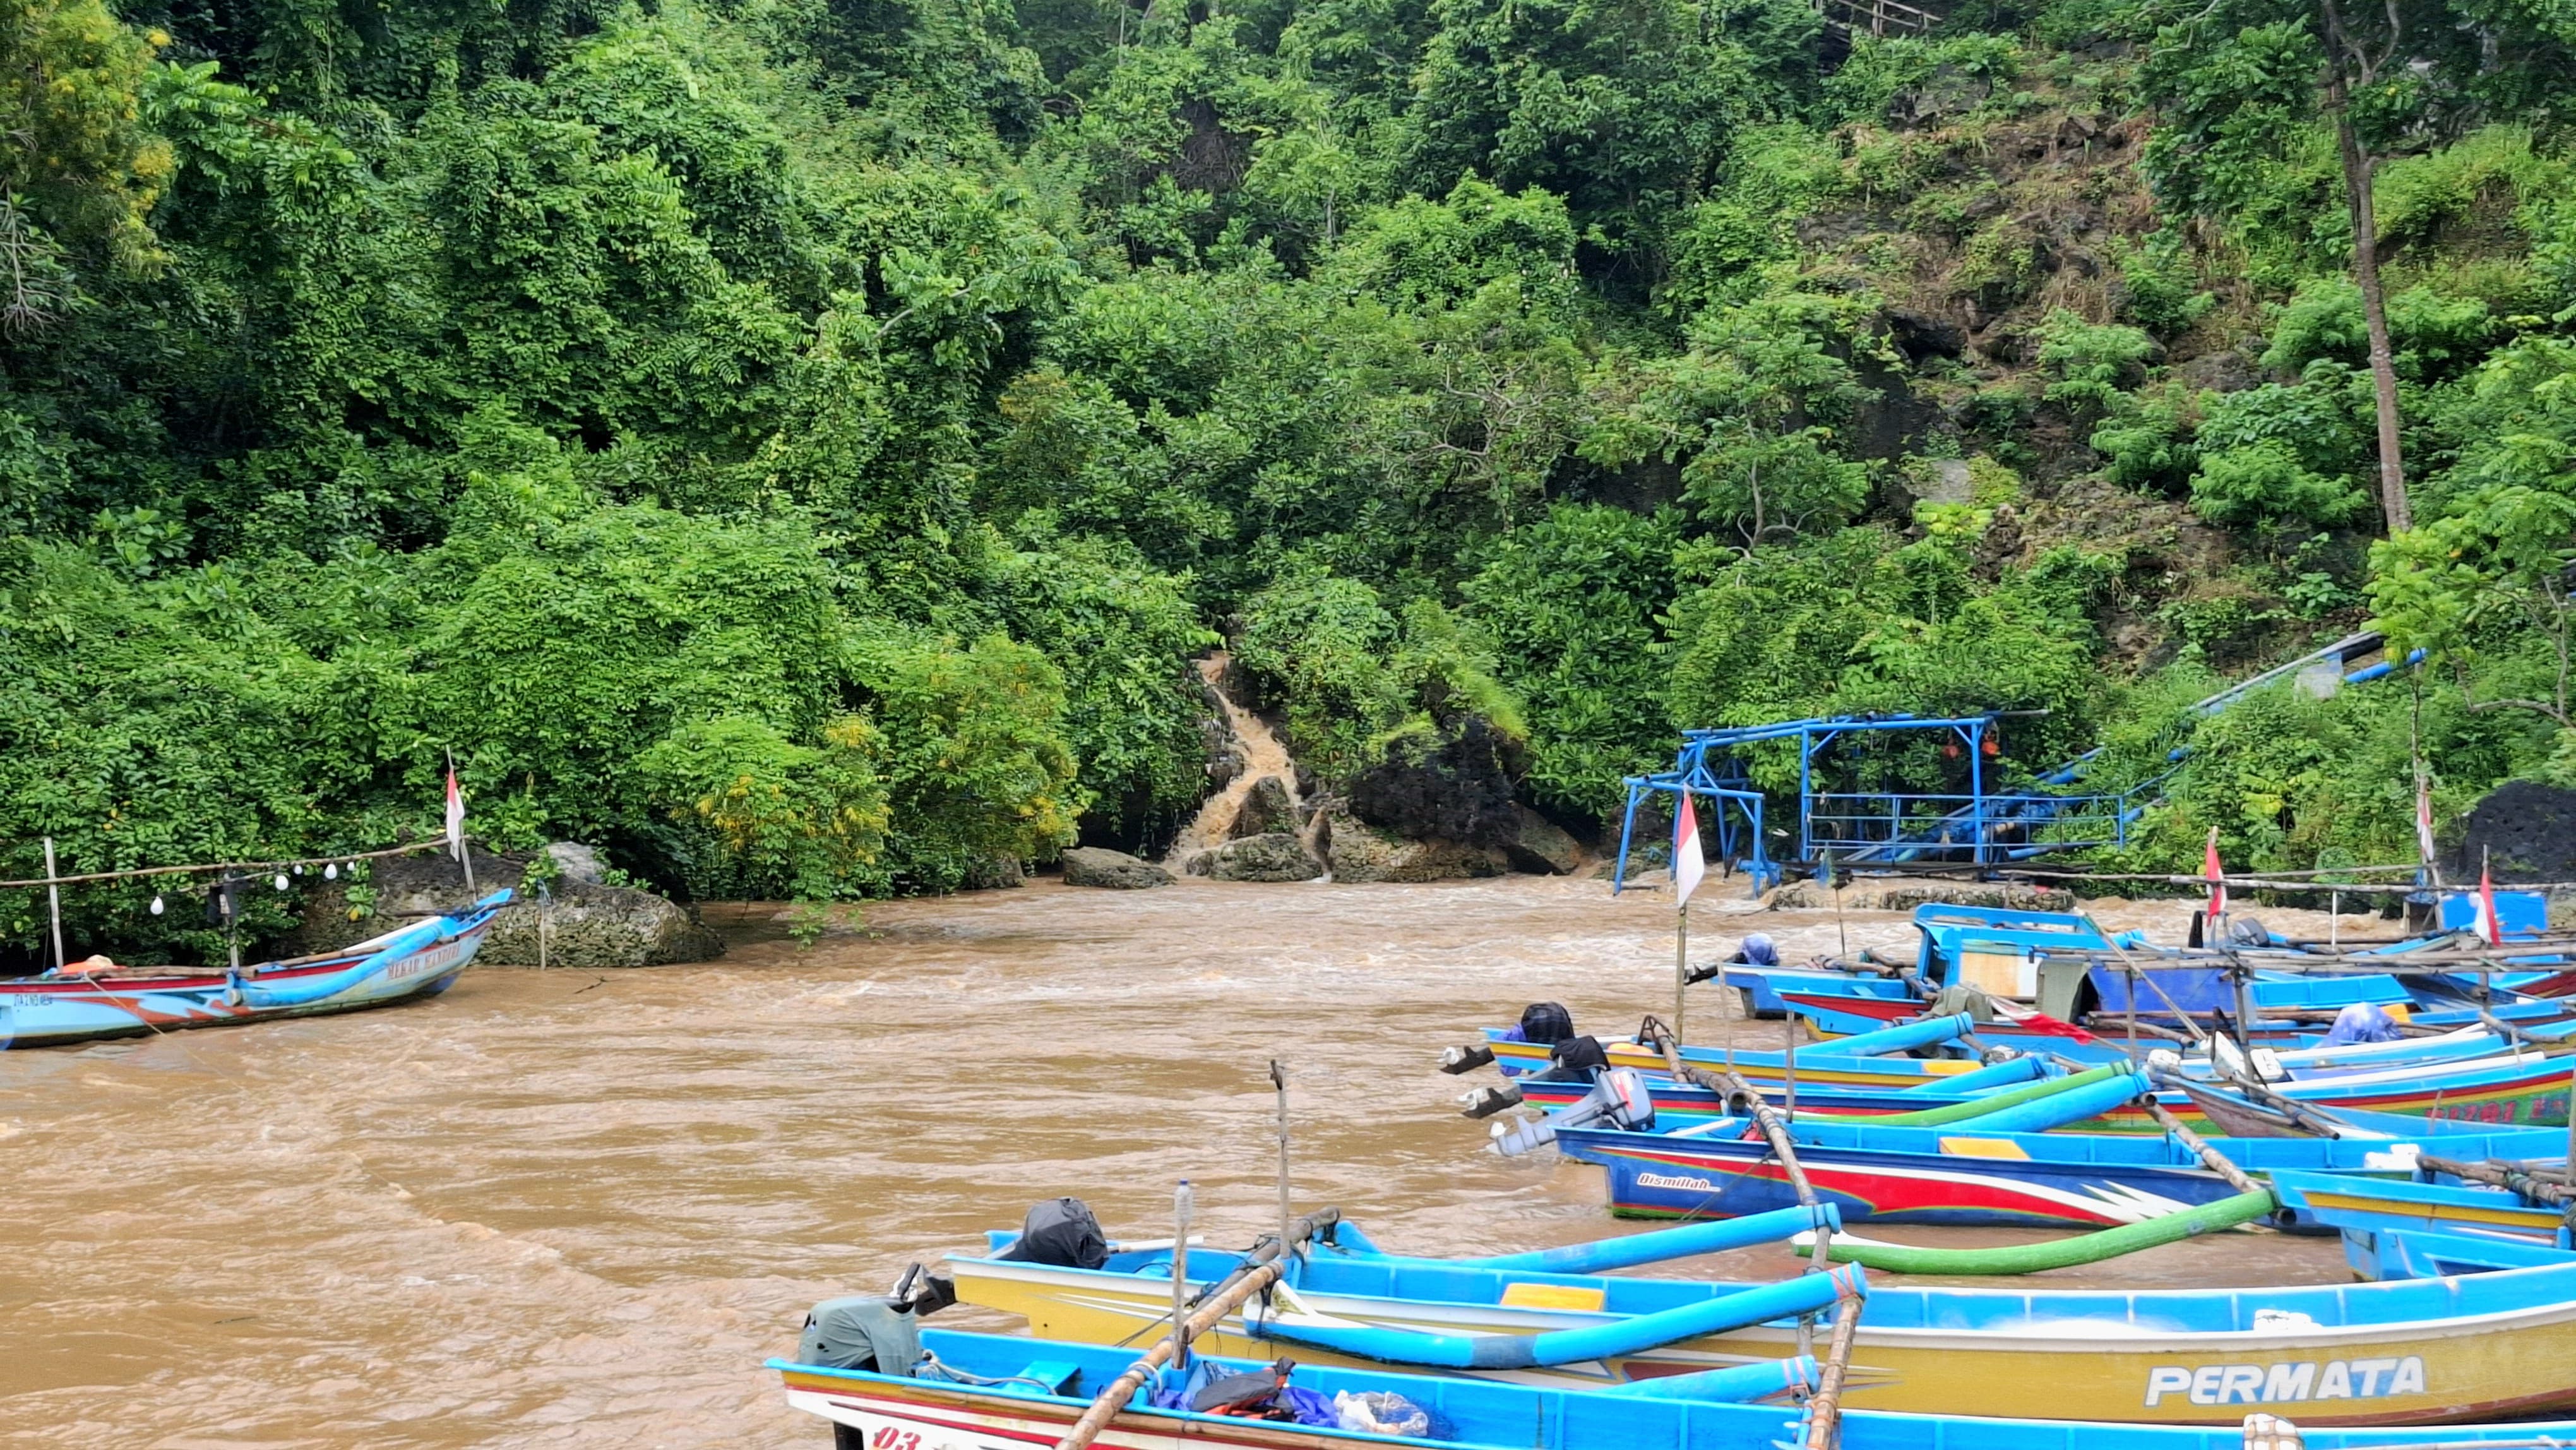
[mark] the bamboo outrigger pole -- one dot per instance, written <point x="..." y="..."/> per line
<point x="1262" y="1268"/>
<point x="1825" y="1410"/>
<point x="2198" y="1146"/>
<point x="1732" y="1084"/>
<point x="2510" y="1176"/>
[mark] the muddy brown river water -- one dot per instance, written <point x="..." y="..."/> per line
<point x="579" y="1208"/>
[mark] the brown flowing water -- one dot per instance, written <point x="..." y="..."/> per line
<point x="578" y="1208"/>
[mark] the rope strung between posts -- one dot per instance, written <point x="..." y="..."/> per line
<point x="2318" y="875"/>
<point x="254" y="867"/>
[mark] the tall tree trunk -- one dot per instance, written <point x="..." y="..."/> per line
<point x="2365" y="271"/>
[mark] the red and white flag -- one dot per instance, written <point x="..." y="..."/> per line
<point x="1688" y="866"/>
<point x="455" y="815"/>
<point x="2217" y="878"/>
<point x="2489" y="929"/>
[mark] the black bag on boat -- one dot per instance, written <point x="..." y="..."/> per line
<point x="862" y="1331"/>
<point x="1254" y="1395"/>
<point x="1576" y="1059"/>
<point x="1581" y="1053"/>
<point x="1546" y="1023"/>
<point x="1062" y="1232"/>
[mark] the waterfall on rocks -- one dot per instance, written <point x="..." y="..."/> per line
<point x="1261" y="800"/>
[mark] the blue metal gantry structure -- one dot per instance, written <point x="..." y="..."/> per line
<point x="1991" y="824"/>
<point x="1853" y="826"/>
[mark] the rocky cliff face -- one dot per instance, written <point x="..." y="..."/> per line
<point x="1457" y="791"/>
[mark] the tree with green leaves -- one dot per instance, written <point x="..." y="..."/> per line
<point x="2238" y="80"/>
<point x="2494" y="571"/>
<point x="1748" y="413"/>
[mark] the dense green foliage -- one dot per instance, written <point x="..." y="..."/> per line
<point x="798" y="445"/>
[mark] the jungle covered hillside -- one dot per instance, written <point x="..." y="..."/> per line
<point x="797" y="445"/>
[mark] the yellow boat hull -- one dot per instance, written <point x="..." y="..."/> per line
<point x="2477" y="1368"/>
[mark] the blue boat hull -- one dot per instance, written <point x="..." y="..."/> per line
<point x="405" y="965"/>
<point x="1961" y="1176"/>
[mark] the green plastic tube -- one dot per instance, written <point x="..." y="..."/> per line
<point x="2090" y="1248"/>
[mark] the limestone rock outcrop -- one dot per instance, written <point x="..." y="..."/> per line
<point x="1542" y="846"/>
<point x="1278" y="856"/>
<point x="1362" y="852"/>
<point x="1115" y="870"/>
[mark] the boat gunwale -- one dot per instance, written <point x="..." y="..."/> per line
<point x="2033" y="1332"/>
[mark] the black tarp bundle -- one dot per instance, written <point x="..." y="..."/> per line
<point x="1062" y="1232"/>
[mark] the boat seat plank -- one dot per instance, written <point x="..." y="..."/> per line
<point x="1589" y="1298"/>
<point x="1058" y="1376"/>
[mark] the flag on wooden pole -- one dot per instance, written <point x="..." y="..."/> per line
<point x="1688" y="865"/>
<point x="2489" y="928"/>
<point x="2216" y="877"/>
<point x="455" y="814"/>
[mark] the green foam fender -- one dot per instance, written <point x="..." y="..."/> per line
<point x="2092" y="1248"/>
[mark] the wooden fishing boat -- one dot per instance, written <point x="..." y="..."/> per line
<point x="1766" y="991"/>
<point x="1966" y="1174"/>
<point x="82" y="1004"/>
<point x="1688" y="1103"/>
<point x="2413" y="1254"/>
<point x="1680" y="1104"/>
<point x="1832" y="1016"/>
<point x="2334" y="1201"/>
<point x="2402" y="1352"/>
<point x="1873" y="1060"/>
<point x="1000" y="1392"/>
<point x="1823" y="1066"/>
<point x="2521" y="1088"/>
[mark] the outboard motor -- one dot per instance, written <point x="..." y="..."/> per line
<point x="2247" y="931"/>
<point x="921" y="1292"/>
<point x="1576" y="1059"/>
<point x="1620" y="1099"/>
<point x="2361" y="1022"/>
<point x="880" y="1332"/>
<point x="1547" y="1023"/>
<point x="1062" y="1232"/>
<point x="862" y="1331"/>
<point x="1455" y="1060"/>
